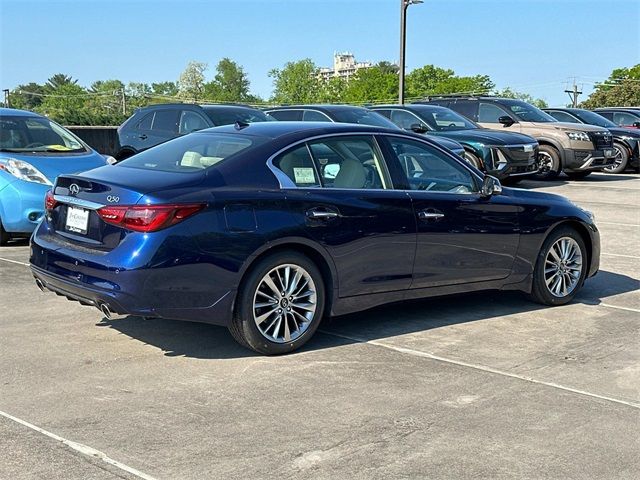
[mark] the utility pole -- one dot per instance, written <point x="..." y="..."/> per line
<point x="403" y="40"/>
<point x="124" y="103"/>
<point x="573" y="94"/>
<point x="7" y="102"/>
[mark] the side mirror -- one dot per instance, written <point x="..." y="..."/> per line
<point x="506" y="121"/>
<point x="416" y="127"/>
<point x="490" y="186"/>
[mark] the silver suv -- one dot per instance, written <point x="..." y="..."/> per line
<point x="576" y="150"/>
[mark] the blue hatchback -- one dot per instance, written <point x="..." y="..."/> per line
<point x="33" y="152"/>
<point x="265" y="228"/>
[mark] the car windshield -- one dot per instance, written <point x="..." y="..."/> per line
<point x="363" y="117"/>
<point x="445" y="120"/>
<point x="191" y="153"/>
<point x="593" y="118"/>
<point x="230" y="115"/>
<point x="26" y="134"/>
<point x="527" y="112"/>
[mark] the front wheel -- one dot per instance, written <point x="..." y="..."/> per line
<point x="4" y="236"/>
<point x="280" y="304"/>
<point x="473" y="160"/>
<point x="549" y="162"/>
<point x="561" y="268"/>
<point x="620" y="160"/>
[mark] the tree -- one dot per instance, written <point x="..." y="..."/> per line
<point x="297" y="82"/>
<point x="621" y="89"/>
<point x="374" y="84"/>
<point x="58" y="80"/>
<point x="525" y="97"/>
<point x="167" y="89"/>
<point x="66" y="104"/>
<point x="230" y="83"/>
<point x="432" y="80"/>
<point x="27" y="97"/>
<point x="191" y="82"/>
<point x="104" y="104"/>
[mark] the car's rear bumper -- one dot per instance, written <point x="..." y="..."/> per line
<point x="198" y="291"/>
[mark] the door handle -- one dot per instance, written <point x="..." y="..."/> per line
<point x="142" y="137"/>
<point x="321" y="214"/>
<point x="430" y="214"/>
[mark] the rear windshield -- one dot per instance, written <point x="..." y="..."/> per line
<point x="26" y="134"/>
<point x="191" y="153"/>
<point x="231" y="115"/>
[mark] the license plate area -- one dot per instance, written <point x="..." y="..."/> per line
<point x="609" y="153"/>
<point x="77" y="220"/>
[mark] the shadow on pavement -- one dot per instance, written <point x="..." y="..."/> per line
<point x="196" y="340"/>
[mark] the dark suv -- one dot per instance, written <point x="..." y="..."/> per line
<point x="577" y="150"/>
<point x="155" y="124"/>
<point x="506" y="155"/>
<point x="628" y="117"/>
<point x="626" y="141"/>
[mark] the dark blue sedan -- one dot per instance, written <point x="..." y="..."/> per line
<point x="265" y="228"/>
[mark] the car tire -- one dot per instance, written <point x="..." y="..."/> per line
<point x="621" y="159"/>
<point x="549" y="161"/>
<point x="473" y="160"/>
<point x="560" y="269"/>
<point x="511" y="181"/>
<point x="270" y="323"/>
<point x="578" y="175"/>
<point x="4" y="236"/>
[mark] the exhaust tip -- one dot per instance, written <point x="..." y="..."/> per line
<point x="40" y="285"/>
<point x="104" y="308"/>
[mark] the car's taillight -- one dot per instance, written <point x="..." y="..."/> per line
<point x="49" y="201"/>
<point x="148" y="218"/>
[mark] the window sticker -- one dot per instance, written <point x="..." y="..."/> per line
<point x="304" y="175"/>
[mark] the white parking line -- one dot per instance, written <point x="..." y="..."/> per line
<point x="618" y="255"/>
<point x="14" y="261"/>
<point x="79" y="447"/>
<point x="610" y="187"/>
<point x="417" y="353"/>
<point x="619" y="224"/>
<point x="627" y="309"/>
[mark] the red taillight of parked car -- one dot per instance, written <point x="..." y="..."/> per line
<point x="49" y="201"/>
<point x="148" y="218"/>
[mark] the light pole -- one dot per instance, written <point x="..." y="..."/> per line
<point x="404" y="4"/>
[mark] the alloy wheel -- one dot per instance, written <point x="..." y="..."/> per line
<point x="545" y="162"/>
<point x="284" y="303"/>
<point x="617" y="161"/>
<point x="563" y="267"/>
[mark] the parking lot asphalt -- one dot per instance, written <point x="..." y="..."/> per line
<point x="487" y="385"/>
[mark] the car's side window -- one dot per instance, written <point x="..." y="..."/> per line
<point x="314" y="116"/>
<point x="428" y="168"/>
<point x="191" y="121"/>
<point x="145" y="123"/>
<point x="467" y="108"/>
<point x="298" y="166"/>
<point x="384" y="113"/>
<point x="489" y="113"/>
<point x="622" y="118"/>
<point x="286" y="115"/>
<point x="166" y="121"/>
<point x="352" y="162"/>
<point x="404" y="119"/>
<point x="563" y="117"/>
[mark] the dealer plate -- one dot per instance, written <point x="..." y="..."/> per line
<point x="77" y="220"/>
<point x="608" y="152"/>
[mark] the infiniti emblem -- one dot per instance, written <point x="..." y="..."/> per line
<point x="74" y="189"/>
<point x="113" y="199"/>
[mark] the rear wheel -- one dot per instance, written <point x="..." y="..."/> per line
<point x="549" y="161"/>
<point x="620" y="160"/>
<point x="561" y="268"/>
<point x="577" y="175"/>
<point x="280" y="304"/>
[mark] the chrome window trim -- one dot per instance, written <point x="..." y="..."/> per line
<point x="287" y="184"/>
<point x="78" y="201"/>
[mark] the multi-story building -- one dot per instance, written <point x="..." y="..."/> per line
<point x="344" y="65"/>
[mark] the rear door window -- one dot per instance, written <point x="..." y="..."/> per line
<point x="191" y="122"/>
<point x="286" y="115"/>
<point x="314" y="116"/>
<point x="165" y="121"/>
<point x="146" y="122"/>
<point x="468" y="108"/>
<point x="298" y="165"/>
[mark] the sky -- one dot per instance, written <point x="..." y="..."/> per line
<point x="534" y="46"/>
